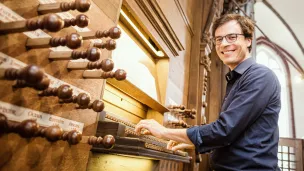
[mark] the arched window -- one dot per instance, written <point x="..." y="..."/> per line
<point x="272" y="60"/>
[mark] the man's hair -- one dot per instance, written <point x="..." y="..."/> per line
<point x="247" y="25"/>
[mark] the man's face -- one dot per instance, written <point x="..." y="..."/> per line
<point x="235" y="52"/>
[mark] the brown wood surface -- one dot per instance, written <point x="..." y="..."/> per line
<point x="37" y="153"/>
<point x="138" y="94"/>
<point x="215" y="93"/>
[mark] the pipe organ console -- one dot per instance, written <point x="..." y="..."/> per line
<point x="65" y="71"/>
<point x="128" y="142"/>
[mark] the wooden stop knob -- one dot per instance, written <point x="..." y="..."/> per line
<point x="31" y="74"/>
<point x="28" y="128"/>
<point x="64" y="91"/>
<point x="83" y="99"/>
<point x="114" y="32"/>
<point x="53" y="23"/>
<point x="53" y="133"/>
<point x="73" y="40"/>
<point x="108" y="141"/>
<point x="94" y="140"/>
<point x="83" y="5"/>
<point x="110" y="44"/>
<point x="120" y="74"/>
<point x="98" y="106"/>
<point x="107" y="65"/>
<point x="82" y="20"/>
<point x="73" y="137"/>
<point x="93" y="54"/>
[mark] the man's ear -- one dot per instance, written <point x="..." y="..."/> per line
<point x="249" y="42"/>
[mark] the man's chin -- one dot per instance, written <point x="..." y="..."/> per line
<point x="229" y="63"/>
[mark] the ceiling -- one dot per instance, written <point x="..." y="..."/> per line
<point x="270" y="23"/>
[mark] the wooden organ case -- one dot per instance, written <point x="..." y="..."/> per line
<point x="69" y="101"/>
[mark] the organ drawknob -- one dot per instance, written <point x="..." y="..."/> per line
<point x="31" y="74"/>
<point x="79" y="5"/>
<point x="63" y="92"/>
<point x="72" y="41"/>
<point x="50" y="22"/>
<point x="92" y="54"/>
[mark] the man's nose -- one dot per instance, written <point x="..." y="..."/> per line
<point x="224" y="42"/>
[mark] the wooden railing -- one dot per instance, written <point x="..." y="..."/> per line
<point x="290" y="154"/>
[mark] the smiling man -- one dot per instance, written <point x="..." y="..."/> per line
<point x="245" y="136"/>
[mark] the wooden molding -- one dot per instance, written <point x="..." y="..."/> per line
<point x="138" y="94"/>
<point x="206" y="62"/>
<point x="157" y="18"/>
<point x="185" y="18"/>
<point x="206" y="45"/>
<point x="215" y="11"/>
<point x="110" y="8"/>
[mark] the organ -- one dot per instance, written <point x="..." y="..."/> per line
<point x="74" y="87"/>
<point x="131" y="143"/>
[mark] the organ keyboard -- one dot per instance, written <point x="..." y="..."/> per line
<point x="128" y="142"/>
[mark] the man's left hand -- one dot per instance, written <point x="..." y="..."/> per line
<point x="152" y="126"/>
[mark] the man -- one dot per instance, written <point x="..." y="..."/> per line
<point x="245" y="136"/>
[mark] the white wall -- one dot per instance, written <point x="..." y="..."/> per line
<point x="298" y="101"/>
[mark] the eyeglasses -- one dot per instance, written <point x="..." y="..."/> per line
<point x="230" y="38"/>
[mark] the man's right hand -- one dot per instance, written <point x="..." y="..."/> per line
<point x="174" y="146"/>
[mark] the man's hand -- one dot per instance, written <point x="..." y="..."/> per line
<point x="174" y="146"/>
<point x="152" y="126"/>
